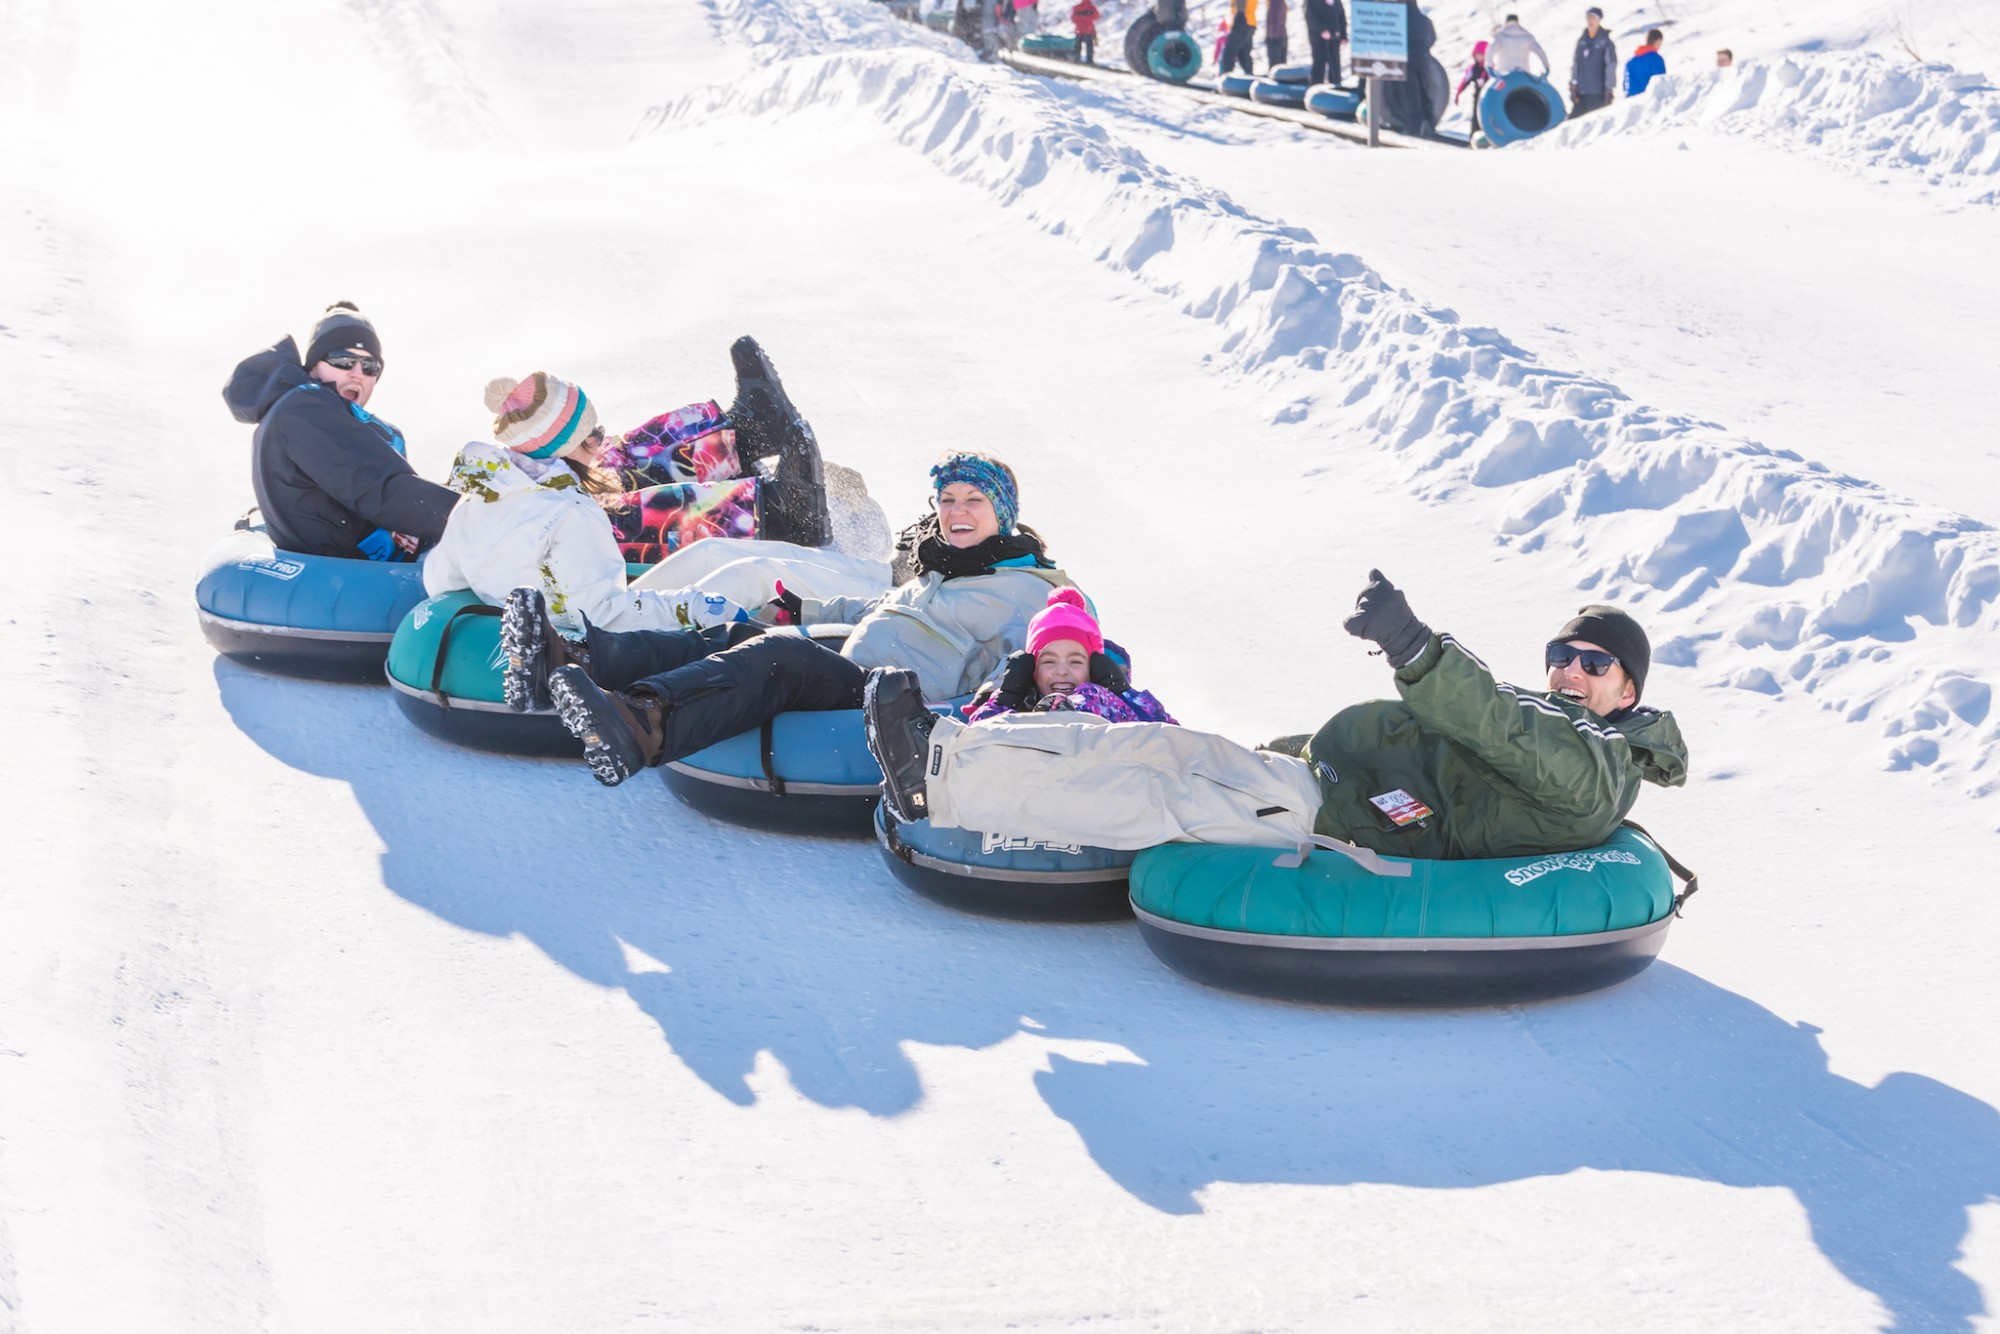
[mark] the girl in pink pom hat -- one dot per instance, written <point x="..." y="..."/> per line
<point x="1067" y="666"/>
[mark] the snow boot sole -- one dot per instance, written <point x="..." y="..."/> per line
<point x="611" y="746"/>
<point x="899" y="732"/>
<point x="524" y="681"/>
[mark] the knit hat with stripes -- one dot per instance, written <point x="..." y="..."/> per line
<point x="541" y="416"/>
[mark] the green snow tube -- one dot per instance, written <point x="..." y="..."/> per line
<point x="1139" y="40"/>
<point x="1050" y="44"/>
<point x="1324" y="928"/>
<point x="1173" y="57"/>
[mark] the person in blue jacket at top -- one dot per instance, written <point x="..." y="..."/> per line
<point x="1646" y="64"/>
<point x="331" y="478"/>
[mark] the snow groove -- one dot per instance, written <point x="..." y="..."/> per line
<point x="1828" y="585"/>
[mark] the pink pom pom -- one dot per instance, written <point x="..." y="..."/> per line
<point x="1066" y="597"/>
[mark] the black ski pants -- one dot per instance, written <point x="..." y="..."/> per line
<point x="716" y="688"/>
<point x="1086" y="48"/>
<point x="1242" y="37"/>
<point x="1325" y="57"/>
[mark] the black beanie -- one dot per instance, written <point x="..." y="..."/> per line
<point x="1616" y="633"/>
<point x="341" y="328"/>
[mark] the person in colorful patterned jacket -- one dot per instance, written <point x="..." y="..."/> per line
<point x="639" y="700"/>
<point x="1068" y="666"/>
<point x="331" y="478"/>
<point x="1461" y="766"/>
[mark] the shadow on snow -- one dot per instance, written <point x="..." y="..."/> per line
<point x="737" y="943"/>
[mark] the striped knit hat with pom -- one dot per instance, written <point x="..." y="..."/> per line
<point x="541" y="416"/>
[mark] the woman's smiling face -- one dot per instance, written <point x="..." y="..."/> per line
<point x="965" y="516"/>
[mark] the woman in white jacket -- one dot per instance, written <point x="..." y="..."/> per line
<point x="639" y="700"/>
<point x="531" y="514"/>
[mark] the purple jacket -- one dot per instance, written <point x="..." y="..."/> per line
<point x="1134" y="706"/>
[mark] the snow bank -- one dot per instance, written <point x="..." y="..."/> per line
<point x="1863" y="111"/>
<point x="1756" y="568"/>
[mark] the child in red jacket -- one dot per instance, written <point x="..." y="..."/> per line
<point x="1083" y="17"/>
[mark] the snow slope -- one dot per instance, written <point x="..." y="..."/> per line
<point x="309" y="1022"/>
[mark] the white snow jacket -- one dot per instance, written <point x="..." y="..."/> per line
<point x="526" y="523"/>
<point x="1510" y="48"/>
<point x="950" y="632"/>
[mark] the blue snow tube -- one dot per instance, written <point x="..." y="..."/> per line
<point x="1271" y="93"/>
<point x="1519" y="106"/>
<point x="800" y="773"/>
<point x="1324" y="928"/>
<point x="318" y="616"/>
<point x="1298" y="74"/>
<point x="1339" y="103"/>
<point x="1173" y="56"/>
<point x="1234" y="85"/>
<point x="1026" y="879"/>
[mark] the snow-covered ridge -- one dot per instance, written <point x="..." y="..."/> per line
<point x="1860" y="110"/>
<point x="1735" y="554"/>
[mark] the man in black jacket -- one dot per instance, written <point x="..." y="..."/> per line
<point x="1326" y="29"/>
<point x="1593" y="69"/>
<point x="331" y="479"/>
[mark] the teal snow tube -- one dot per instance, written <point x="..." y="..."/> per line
<point x="317" y="616"/>
<point x="1026" y="879"/>
<point x="1139" y="42"/>
<point x="1050" y="44"/>
<point x="1298" y="74"/>
<point x="1271" y="93"/>
<point x="1327" y="100"/>
<point x="1173" y="56"/>
<point x="1518" y="106"/>
<point x="1235" y="85"/>
<point x="445" y="665"/>
<point x="1325" y="929"/>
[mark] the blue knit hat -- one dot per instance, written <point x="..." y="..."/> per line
<point x="993" y="478"/>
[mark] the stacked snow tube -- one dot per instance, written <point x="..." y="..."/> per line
<point x="1301" y="75"/>
<point x="1235" y="85"/>
<point x="1324" y="929"/>
<point x="1173" y="56"/>
<point x="1272" y="93"/>
<point x="1139" y="42"/>
<point x="317" y="616"/>
<point x="1050" y="44"/>
<point x="1518" y="106"/>
<point x="995" y="877"/>
<point x="444" y="666"/>
<point x="1327" y="100"/>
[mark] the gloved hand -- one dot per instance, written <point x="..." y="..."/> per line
<point x="786" y="608"/>
<point x="1017" y="684"/>
<point x="1382" y="614"/>
<point x="1110" y="673"/>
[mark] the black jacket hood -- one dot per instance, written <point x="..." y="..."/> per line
<point x="262" y="379"/>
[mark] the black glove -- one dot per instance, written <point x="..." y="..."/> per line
<point x="786" y="608"/>
<point x="1382" y="614"/>
<point x="1110" y="673"/>
<point x="1017" y="683"/>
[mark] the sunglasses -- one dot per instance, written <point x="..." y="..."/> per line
<point x="370" y="366"/>
<point x="1595" y="661"/>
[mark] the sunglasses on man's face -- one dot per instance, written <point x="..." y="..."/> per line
<point x="1595" y="661"/>
<point x="370" y="366"/>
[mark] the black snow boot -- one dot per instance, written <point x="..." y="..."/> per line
<point x="766" y="423"/>
<point x="899" y="737"/>
<point x="534" y="649"/>
<point x="621" y="733"/>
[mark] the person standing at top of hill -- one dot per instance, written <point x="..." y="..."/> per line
<point x="1593" y="69"/>
<point x="1326" y="29"/>
<point x="1242" y="35"/>
<point x="1511" y="48"/>
<point x="331" y="478"/>
<point x="1275" y="37"/>
<point x="1646" y="64"/>
<point x="1083" y="18"/>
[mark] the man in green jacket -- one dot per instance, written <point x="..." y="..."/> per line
<point x="1460" y="766"/>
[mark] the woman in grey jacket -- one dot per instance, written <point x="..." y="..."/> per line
<point x="641" y="699"/>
